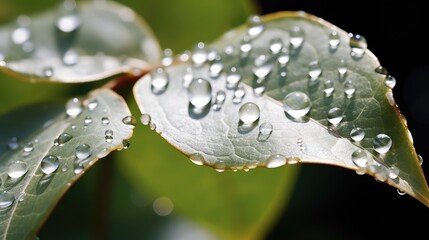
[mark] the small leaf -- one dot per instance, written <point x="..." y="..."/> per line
<point x="77" y="43"/>
<point x="288" y="88"/>
<point x="44" y="150"/>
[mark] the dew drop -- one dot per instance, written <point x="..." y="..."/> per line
<point x="229" y="50"/>
<point x="360" y="158"/>
<point x="167" y="59"/>
<point x="381" y="70"/>
<point x="393" y="172"/>
<point x="263" y="66"/>
<point x="239" y="94"/>
<point x="335" y="115"/>
<point x="256" y="27"/>
<point x="48" y="72"/>
<point x="296" y="104"/>
<point x="276" y="45"/>
<point x="216" y="69"/>
<point x="334" y="40"/>
<point x="130" y="121"/>
<point x="78" y="168"/>
<point x="108" y="136"/>
<point x="220" y="166"/>
<point x="265" y="130"/>
<point x="357" y="134"/>
<point x="283" y="57"/>
<point x="83" y="151"/>
<point x="6" y="199"/>
<point x="245" y="46"/>
<point x="63" y="138"/>
<point x="49" y="164"/>
<point x="400" y="192"/>
<point x="420" y="159"/>
<point x="22" y="34"/>
<point x="276" y="160"/>
<point x="342" y="68"/>
<point x="29" y="147"/>
<point x="328" y="87"/>
<point x="17" y="169"/>
<point x="21" y="196"/>
<point x="105" y="121"/>
<point x="200" y="92"/>
<point x="349" y="88"/>
<point x="314" y="69"/>
<point x="74" y="107"/>
<point x="159" y="80"/>
<point x="219" y="100"/>
<point x="145" y="119"/>
<point x="390" y="81"/>
<point x="92" y="104"/>
<point x="249" y="112"/>
<point x="197" y="158"/>
<point x="358" y="45"/>
<point x="13" y="143"/>
<point x="125" y="143"/>
<point x="199" y="56"/>
<point x="232" y="78"/>
<point x="69" y="20"/>
<point x="382" y="143"/>
<point x="296" y="37"/>
<point x="70" y="57"/>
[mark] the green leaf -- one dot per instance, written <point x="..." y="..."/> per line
<point x="77" y="43"/>
<point x="290" y="51"/>
<point x="45" y="149"/>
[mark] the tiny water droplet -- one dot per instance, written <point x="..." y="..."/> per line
<point x="382" y="143"/>
<point x="188" y="75"/>
<point x="83" y="151"/>
<point x="216" y="69"/>
<point x="283" y="57"/>
<point x="263" y="65"/>
<point x="296" y="37"/>
<point x="334" y="40"/>
<point x="358" y="45"/>
<point x="342" y="67"/>
<point x="126" y="143"/>
<point x="152" y="126"/>
<point x="256" y="27"/>
<point x="78" y="168"/>
<point x="314" y="70"/>
<point x="63" y="138"/>
<point x="335" y="115"/>
<point x="22" y="34"/>
<point x="360" y="158"/>
<point x="276" y="45"/>
<point x="17" y="169"/>
<point x="349" y="88"/>
<point x="233" y="77"/>
<point x="167" y="59"/>
<point x="69" y="19"/>
<point x="13" y="143"/>
<point x="49" y="164"/>
<point x="87" y="121"/>
<point x="239" y="94"/>
<point x="249" y="112"/>
<point x="265" y="130"/>
<point x="393" y="172"/>
<point x="296" y="104"/>
<point x="108" y="136"/>
<point x="105" y="121"/>
<point x="130" y="121"/>
<point x="390" y="81"/>
<point x="29" y="147"/>
<point x="328" y="87"/>
<point x="197" y="158"/>
<point x="357" y="134"/>
<point x="276" y="160"/>
<point x="48" y="72"/>
<point x="74" y="107"/>
<point x="65" y="167"/>
<point x="6" y="199"/>
<point x="21" y="196"/>
<point x="220" y="166"/>
<point x="159" y="80"/>
<point x="219" y="100"/>
<point x="245" y="46"/>
<point x="199" y="56"/>
<point x="200" y="92"/>
<point x="420" y="159"/>
<point x="381" y="70"/>
<point x="92" y="104"/>
<point x="145" y="119"/>
<point x="400" y="192"/>
<point x="229" y="50"/>
<point x="71" y="57"/>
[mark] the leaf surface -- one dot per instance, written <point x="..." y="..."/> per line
<point x="44" y="150"/>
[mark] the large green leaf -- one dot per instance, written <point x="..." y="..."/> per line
<point x="45" y="148"/>
<point x="77" y="43"/>
<point x="338" y="81"/>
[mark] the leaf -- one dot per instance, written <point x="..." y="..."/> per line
<point x="77" y="43"/>
<point x="270" y="59"/>
<point x="44" y="150"/>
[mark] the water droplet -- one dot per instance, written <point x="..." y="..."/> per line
<point x="283" y="57"/>
<point x="13" y="143"/>
<point x="74" y="107"/>
<point x="145" y="119"/>
<point x="314" y="70"/>
<point x="276" y="45"/>
<point x="17" y="169"/>
<point x="249" y="112"/>
<point x="159" y="80"/>
<point x="232" y="78"/>
<point x="48" y="72"/>
<point x="21" y="196"/>
<point x="83" y="151"/>
<point x="6" y="199"/>
<point x="197" y="158"/>
<point x="229" y="50"/>
<point x="105" y="121"/>
<point x="358" y="45"/>
<point x="296" y="37"/>
<point x="219" y="100"/>
<point x="296" y="104"/>
<point x="334" y="40"/>
<point x="420" y="159"/>
<point x="263" y="66"/>
<point x="70" y="57"/>
<point x="349" y="88"/>
<point x="382" y="143"/>
<point x="108" y="136"/>
<point x="49" y="164"/>
<point x="200" y="92"/>
<point x="239" y="94"/>
<point x="381" y="70"/>
<point x="276" y="160"/>
<point x="69" y="20"/>
<point x="400" y="192"/>
<point x="188" y="75"/>
<point x="92" y="104"/>
<point x="216" y="69"/>
<point x="265" y="130"/>
<point x="78" y="168"/>
<point x="342" y="68"/>
<point x="245" y="46"/>
<point x="293" y="160"/>
<point x="220" y="166"/>
<point x="335" y="115"/>
<point x="152" y="126"/>
<point x="22" y="34"/>
<point x="393" y="172"/>
<point x="390" y="81"/>
<point x="29" y="147"/>
<point x="126" y="143"/>
<point x="328" y="87"/>
<point x="199" y="56"/>
<point x="360" y="158"/>
<point x="167" y="59"/>
<point x="256" y="27"/>
<point x="130" y="121"/>
<point x="357" y="134"/>
<point x="65" y="167"/>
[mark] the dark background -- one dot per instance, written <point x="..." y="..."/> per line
<point x="331" y="202"/>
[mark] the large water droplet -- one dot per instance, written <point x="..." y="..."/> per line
<point x="349" y="88"/>
<point x="83" y="151"/>
<point x="239" y="94"/>
<point x="159" y="80"/>
<point x="314" y="70"/>
<point x="263" y="65"/>
<point x="296" y="104"/>
<point x="334" y="40"/>
<point x="296" y="37"/>
<point x="328" y="87"/>
<point x="49" y="164"/>
<point x="276" y="160"/>
<point x="219" y="100"/>
<point x="358" y="45"/>
<point x="69" y="19"/>
<point x="232" y="78"/>
<point x="6" y="199"/>
<point x="130" y="121"/>
<point x="335" y="115"/>
<point x="265" y="130"/>
<point x="199" y="56"/>
<point x="382" y="143"/>
<point x="145" y="119"/>
<point x="17" y="169"/>
<point x="357" y="134"/>
<point x="249" y="112"/>
<point x="276" y="45"/>
<point x="256" y="27"/>
<point x="74" y="107"/>
<point x="200" y="92"/>
<point x="197" y="158"/>
<point x="360" y="158"/>
<point x="390" y="81"/>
